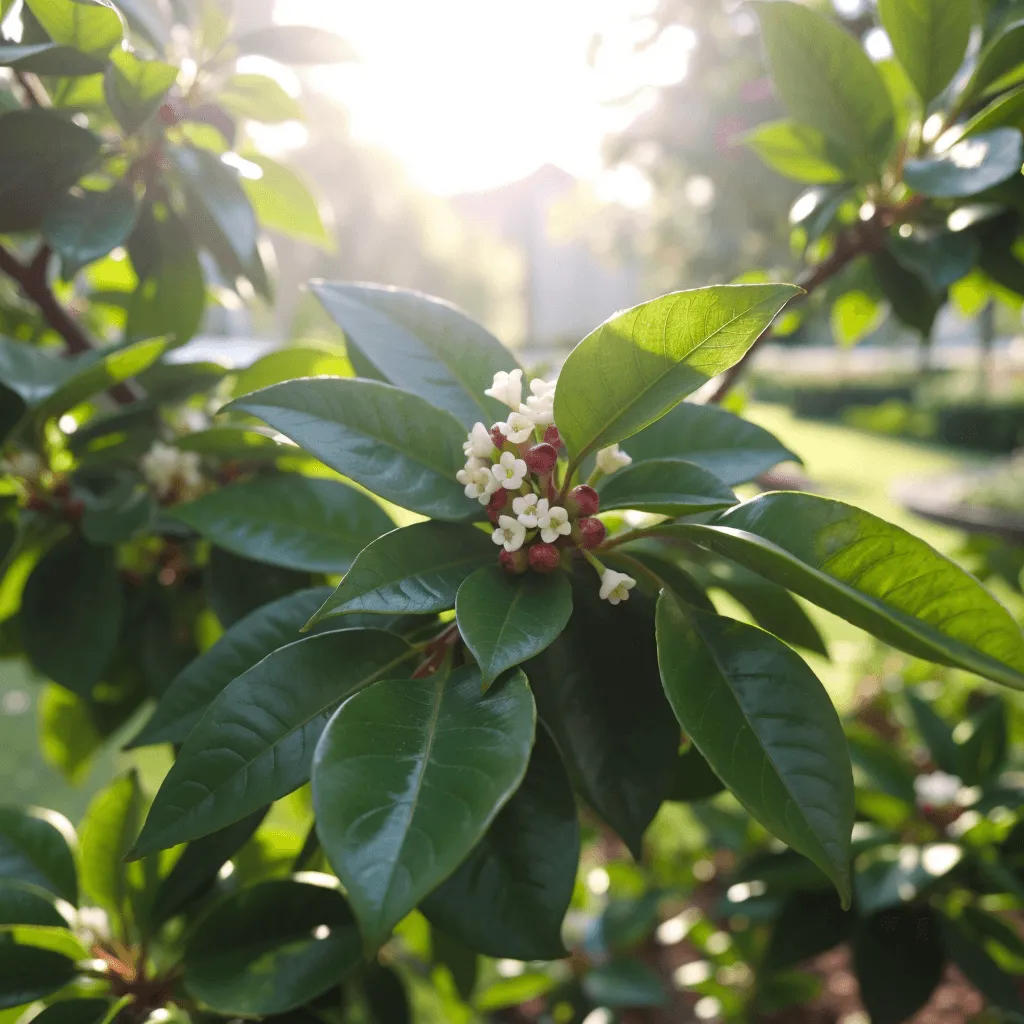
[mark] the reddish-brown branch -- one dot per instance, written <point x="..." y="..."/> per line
<point x="436" y="650"/>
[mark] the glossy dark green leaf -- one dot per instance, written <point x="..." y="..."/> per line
<point x="911" y="297"/>
<point x="91" y="27"/>
<point x="998" y="64"/>
<point x="244" y="644"/>
<point x="422" y="344"/>
<point x="968" y="953"/>
<point x="624" y="983"/>
<point x="84" y="227"/>
<point x="640" y="364"/>
<point x="75" y="1011"/>
<point x="898" y="959"/>
<point x="44" y="154"/>
<point x="766" y="726"/>
<point x="669" y="486"/>
<point x="27" y="904"/>
<point x="694" y="778"/>
<point x="876" y="575"/>
<point x="828" y="82"/>
<point x="982" y="742"/>
<point x="236" y="586"/>
<point x="288" y="520"/>
<point x="283" y="202"/>
<point x="295" y="44"/>
<point x="408" y="777"/>
<point x="937" y="735"/>
<point x="461" y="961"/>
<point x="71" y="613"/>
<point x="390" y="441"/>
<point x="259" y="98"/>
<point x="798" y="151"/>
<point x="415" y="570"/>
<point x="271" y="948"/>
<point x="28" y="974"/>
<point x="48" y="59"/>
<point x="506" y="620"/>
<point x="939" y="261"/>
<point x="930" y="38"/>
<point x="136" y="88"/>
<point x="120" y="515"/>
<point x="598" y="691"/>
<point x="35" y="851"/>
<point x="255" y="742"/>
<point x="970" y="166"/>
<point x="386" y="998"/>
<point x="810" y="923"/>
<point x="732" y="448"/>
<point x="509" y="896"/>
<point x="107" y="833"/>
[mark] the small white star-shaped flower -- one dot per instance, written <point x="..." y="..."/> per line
<point x="553" y="523"/>
<point x="510" y="471"/>
<point x="478" y="443"/>
<point x="938" y="789"/>
<point x="510" y="534"/>
<point x="611" y="459"/>
<point x="525" y="508"/>
<point x="478" y="480"/>
<point x="518" y="428"/>
<point x="540" y="405"/>
<point x="507" y="388"/>
<point x="615" y="586"/>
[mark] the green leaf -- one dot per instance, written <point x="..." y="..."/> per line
<point x="48" y="59"/>
<point x="422" y="344"/>
<point x="967" y="952"/>
<point x="76" y="1011"/>
<point x="503" y="993"/>
<point x="295" y="44"/>
<point x="413" y="571"/>
<point x="461" y="962"/>
<point x="289" y="364"/>
<point x="271" y="948"/>
<point x="92" y="27"/>
<point x="890" y="876"/>
<point x="1006" y="112"/>
<point x="44" y="154"/>
<point x="136" y="88"/>
<point x="288" y="520"/>
<point x="236" y="586"/>
<point x="255" y="742"/>
<point x="71" y="614"/>
<point x="855" y="315"/>
<point x="694" y="778"/>
<point x="84" y="227"/>
<point x="506" y="620"/>
<point x="809" y="924"/>
<point x="35" y="851"/>
<point x="390" y="441"/>
<point x="233" y="443"/>
<point x="259" y="98"/>
<point x="509" y="896"/>
<point x="639" y="364"/>
<point x="970" y="166"/>
<point x="875" y="575"/>
<point x="108" y="830"/>
<point x="797" y="151"/>
<point x="998" y="65"/>
<point x="766" y="726"/>
<point x="982" y="740"/>
<point x="407" y="778"/>
<point x="28" y="974"/>
<point x="26" y="904"/>
<point x="247" y="642"/>
<point x="937" y="735"/>
<point x="940" y="260"/>
<point x="911" y="298"/>
<point x="930" y="38"/>
<point x="386" y="997"/>
<point x="669" y="486"/>
<point x="283" y="202"/>
<point x="624" y="983"/>
<point x="828" y="82"/>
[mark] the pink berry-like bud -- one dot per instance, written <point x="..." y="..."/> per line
<point x="499" y="499"/>
<point x="583" y="500"/>
<point x="553" y="437"/>
<point x="541" y="459"/>
<point x="514" y="562"/>
<point x="589" y="533"/>
<point x="497" y="438"/>
<point x="544" y="558"/>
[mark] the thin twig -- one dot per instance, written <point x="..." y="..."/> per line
<point x="33" y="88"/>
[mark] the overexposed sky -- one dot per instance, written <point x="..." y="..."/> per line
<point x="470" y="94"/>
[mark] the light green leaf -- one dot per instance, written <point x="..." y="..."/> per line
<point x="854" y="316"/>
<point x="640" y="364"/>
<point x="234" y="443"/>
<point x="283" y="202"/>
<point x="999" y="65"/>
<point x="259" y="98"/>
<point x="108" y="830"/>
<point x="797" y="151"/>
<point x="875" y="575"/>
<point x="48" y="59"/>
<point x="828" y="82"/>
<point x="506" y="620"/>
<point x="669" y="486"/>
<point x="85" y="226"/>
<point x="290" y="364"/>
<point x="255" y="742"/>
<point x="415" y="570"/>
<point x="34" y="850"/>
<point x="295" y="44"/>
<point x="135" y="88"/>
<point x="422" y="344"/>
<point x="767" y="728"/>
<point x="1006" y="112"/>
<point x="970" y="166"/>
<point x="930" y="38"/>
<point x="390" y="441"/>
<point x="92" y="27"/>
<point x="68" y="737"/>
<point x="407" y="778"/>
<point x="288" y="520"/>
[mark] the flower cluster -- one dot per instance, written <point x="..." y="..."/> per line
<point x="513" y="469"/>
<point x="174" y="475"/>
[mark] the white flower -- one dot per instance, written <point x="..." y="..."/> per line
<point x="540" y="406"/>
<point x="172" y="472"/>
<point x="526" y="508"/>
<point x="507" y="388"/>
<point x="611" y="459"/>
<point x="509" y="534"/>
<point x="510" y="471"/>
<point x="553" y="523"/>
<point x="939" y="789"/>
<point x="615" y="586"/>
<point x="27" y="465"/>
<point x="518" y="428"/>
<point x="478" y="480"/>
<point x="92" y="925"/>
<point x="478" y="443"/>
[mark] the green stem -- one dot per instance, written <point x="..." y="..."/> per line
<point x="637" y="566"/>
<point x="630" y="535"/>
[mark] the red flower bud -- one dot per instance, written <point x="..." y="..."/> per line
<point x="36" y="503"/>
<point x="514" y="562"/>
<point x="553" y="437"/>
<point x="591" y="533"/>
<point x="583" y="500"/>
<point x="499" y="499"/>
<point x="497" y="438"/>
<point x="541" y="459"/>
<point x="544" y="558"/>
<point x="74" y="510"/>
<point x="169" y="114"/>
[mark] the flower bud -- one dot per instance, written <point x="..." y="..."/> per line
<point x="541" y="459"/>
<point x="544" y="558"/>
<point x="169" y="114"/>
<point x="74" y="510"/>
<point x="583" y="501"/>
<point x="499" y="499"/>
<point x="589" y="533"/>
<point x="514" y="562"/>
<point x="553" y="437"/>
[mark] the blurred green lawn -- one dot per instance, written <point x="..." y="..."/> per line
<point x="842" y="463"/>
